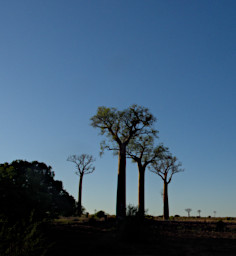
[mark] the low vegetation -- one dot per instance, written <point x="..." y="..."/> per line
<point x="180" y="236"/>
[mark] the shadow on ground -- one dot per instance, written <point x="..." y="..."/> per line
<point x="132" y="238"/>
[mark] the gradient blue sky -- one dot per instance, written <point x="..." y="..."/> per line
<point x="60" y="60"/>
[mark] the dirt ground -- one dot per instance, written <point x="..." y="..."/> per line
<point x="149" y="238"/>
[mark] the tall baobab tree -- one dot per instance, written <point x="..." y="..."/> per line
<point x="166" y="167"/>
<point x="188" y="210"/>
<point x="120" y="127"/>
<point x="142" y="151"/>
<point x="84" y="165"/>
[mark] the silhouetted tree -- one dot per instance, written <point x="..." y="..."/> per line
<point x="188" y="210"/>
<point x="120" y="127"/>
<point x="84" y="166"/>
<point x="214" y="213"/>
<point x="30" y="186"/>
<point x="166" y="167"/>
<point x="199" y="212"/>
<point x="142" y="151"/>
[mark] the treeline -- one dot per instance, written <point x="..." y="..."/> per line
<point x="30" y="186"/>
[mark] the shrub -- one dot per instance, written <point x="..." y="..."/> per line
<point x="131" y="210"/>
<point x="100" y="214"/>
<point x="149" y="217"/>
<point x="23" y="238"/>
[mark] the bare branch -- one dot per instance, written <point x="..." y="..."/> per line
<point x="83" y="163"/>
<point x="166" y="166"/>
<point x="158" y="173"/>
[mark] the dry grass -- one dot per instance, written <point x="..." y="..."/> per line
<point x="181" y="236"/>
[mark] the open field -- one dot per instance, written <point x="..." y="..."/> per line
<point x="72" y="236"/>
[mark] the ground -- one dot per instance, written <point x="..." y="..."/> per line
<point x="153" y="237"/>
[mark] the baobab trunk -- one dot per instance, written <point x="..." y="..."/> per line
<point x="80" y="195"/>
<point x="165" y="201"/>
<point x="121" y="186"/>
<point x="141" y="187"/>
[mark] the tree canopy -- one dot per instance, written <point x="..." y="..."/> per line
<point x="83" y="162"/>
<point x="121" y="126"/>
<point x="166" y="167"/>
<point x="142" y="150"/>
<point x="30" y="186"/>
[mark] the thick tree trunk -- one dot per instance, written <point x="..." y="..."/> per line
<point x="121" y="184"/>
<point x="141" y="187"/>
<point x="165" y="201"/>
<point x="79" y="210"/>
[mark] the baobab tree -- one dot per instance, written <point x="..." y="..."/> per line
<point x="142" y="151"/>
<point x="166" y="167"/>
<point x="120" y="127"/>
<point x="199" y="212"/>
<point x="84" y="165"/>
<point x="188" y="210"/>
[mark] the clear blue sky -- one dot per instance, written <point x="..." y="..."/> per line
<point x="60" y="60"/>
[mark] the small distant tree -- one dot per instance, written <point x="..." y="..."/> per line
<point x="166" y="167"/>
<point x="120" y="127"/>
<point x="199" y="212"/>
<point x="188" y="210"/>
<point x="84" y="165"/>
<point x="142" y="151"/>
<point x="214" y="214"/>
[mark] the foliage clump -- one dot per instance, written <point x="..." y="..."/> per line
<point x="29" y="198"/>
<point x="100" y="214"/>
<point x="27" y="186"/>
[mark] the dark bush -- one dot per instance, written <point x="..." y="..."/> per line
<point x="30" y="186"/>
<point x="100" y="214"/>
<point x="131" y="210"/>
<point x="23" y="238"/>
